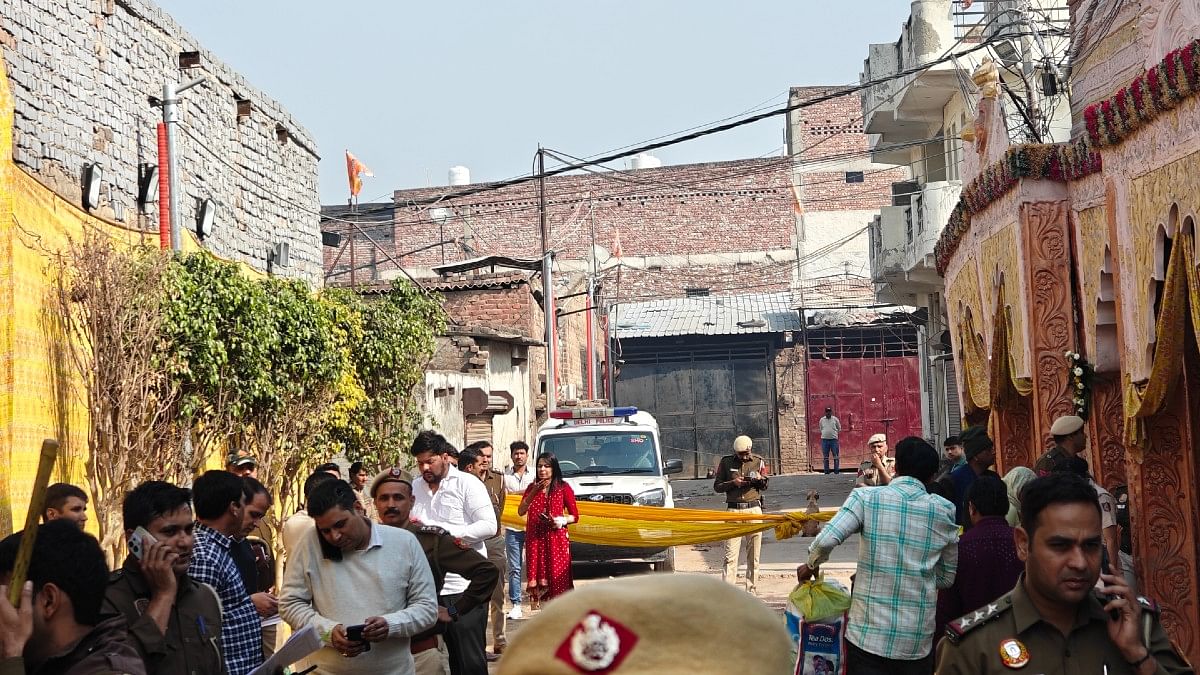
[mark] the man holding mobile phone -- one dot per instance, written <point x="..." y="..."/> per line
<point x="365" y="587"/>
<point x="1055" y="620"/>
<point x="175" y="620"/>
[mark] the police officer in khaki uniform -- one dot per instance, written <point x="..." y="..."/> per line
<point x="1056" y="620"/>
<point x="878" y="469"/>
<point x="742" y="477"/>
<point x="1069" y="440"/>
<point x="391" y="491"/>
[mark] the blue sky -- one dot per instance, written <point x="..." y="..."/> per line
<point x="413" y="89"/>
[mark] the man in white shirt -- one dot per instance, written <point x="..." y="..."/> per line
<point x="459" y="503"/>
<point x="831" y="427"/>
<point x="517" y="479"/>
<point x="348" y="572"/>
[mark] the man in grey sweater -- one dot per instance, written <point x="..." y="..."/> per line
<point x="350" y="576"/>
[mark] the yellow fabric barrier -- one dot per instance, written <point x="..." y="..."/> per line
<point x="653" y="527"/>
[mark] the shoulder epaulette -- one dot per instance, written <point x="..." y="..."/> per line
<point x="433" y="529"/>
<point x="956" y="629"/>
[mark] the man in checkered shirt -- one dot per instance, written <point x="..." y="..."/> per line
<point x="220" y="501"/>
<point x="909" y="550"/>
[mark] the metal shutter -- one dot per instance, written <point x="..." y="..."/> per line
<point x="953" y="409"/>
<point x="479" y="428"/>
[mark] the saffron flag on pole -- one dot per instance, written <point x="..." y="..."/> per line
<point x="616" y="250"/>
<point x="355" y="170"/>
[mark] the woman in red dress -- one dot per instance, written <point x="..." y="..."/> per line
<point x="550" y="505"/>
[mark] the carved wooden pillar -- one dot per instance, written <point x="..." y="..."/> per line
<point x="1106" y="437"/>
<point x="1048" y="274"/>
<point x="1014" y="436"/>
<point x="1164" y="501"/>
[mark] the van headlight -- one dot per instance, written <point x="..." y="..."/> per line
<point x="655" y="497"/>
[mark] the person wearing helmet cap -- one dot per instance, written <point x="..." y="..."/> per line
<point x="391" y="492"/>
<point x="879" y="468"/>
<point x="663" y="624"/>
<point x="742" y="478"/>
<point x="241" y="465"/>
<point x="1069" y="440"/>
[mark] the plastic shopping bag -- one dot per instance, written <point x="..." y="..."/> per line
<point x="816" y="619"/>
<point x="818" y="599"/>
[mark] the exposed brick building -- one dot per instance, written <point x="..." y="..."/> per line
<point x="840" y="189"/>
<point x="723" y="229"/>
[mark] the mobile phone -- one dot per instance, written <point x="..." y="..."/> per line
<point x="355" y="634"/>
<point x="139" y="541"/>
<point x="1103" y="597"/>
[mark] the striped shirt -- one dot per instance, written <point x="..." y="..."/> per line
<point x="909" y="550"/>
<point x="241" y="629"/>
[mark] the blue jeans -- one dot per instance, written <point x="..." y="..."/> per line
<point x="830" y="446"/>
<point x="514" y="546"/>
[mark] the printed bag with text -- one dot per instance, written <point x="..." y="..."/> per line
<point x="820" y="631"/>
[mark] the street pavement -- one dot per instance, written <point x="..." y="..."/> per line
<point x="778" y="561"/>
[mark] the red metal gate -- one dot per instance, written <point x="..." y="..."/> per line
<point x="869" y="396"/>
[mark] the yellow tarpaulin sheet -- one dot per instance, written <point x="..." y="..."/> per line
<point x="652" y="526"/>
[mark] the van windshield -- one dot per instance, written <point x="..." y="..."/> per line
<point x="603" y="452"/>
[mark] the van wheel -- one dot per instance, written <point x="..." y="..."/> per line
<point x="668" y="564"/>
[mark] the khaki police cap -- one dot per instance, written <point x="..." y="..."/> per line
<point x="1066" y="425"/>
<point x="742" y="444"/>
<point x="877" y="438"/>
<point x="394" y="474"/>
<point x="654" y="624"/>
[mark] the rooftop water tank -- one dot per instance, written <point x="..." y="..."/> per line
<point x="644" y="160"/>
<point x="460" y="175"/>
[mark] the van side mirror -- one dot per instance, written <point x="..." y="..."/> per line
<point x="673" y="466"/>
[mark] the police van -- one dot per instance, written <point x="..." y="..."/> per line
<point x="613" y="456"/>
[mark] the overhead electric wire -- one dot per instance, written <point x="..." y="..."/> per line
<point x="709" y="131"/>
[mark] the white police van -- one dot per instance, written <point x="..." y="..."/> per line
<point x="614" y="456"/>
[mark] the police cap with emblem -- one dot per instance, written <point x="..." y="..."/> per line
<point x="660" y="624"/>
<point x="1066" y="425"/>
<point x="393" y="475"/>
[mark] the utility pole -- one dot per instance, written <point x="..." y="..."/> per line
<point x="547" y="287"/>
<point x="170" y="113"/>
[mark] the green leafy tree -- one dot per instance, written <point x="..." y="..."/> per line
<point x="217" y="322"/>
<point x="399" y="335"/>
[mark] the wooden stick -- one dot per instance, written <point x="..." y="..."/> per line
<point x="37" y="502"/>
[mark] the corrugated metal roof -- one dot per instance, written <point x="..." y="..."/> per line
<point x="710" y="315"/>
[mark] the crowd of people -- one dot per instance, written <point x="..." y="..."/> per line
<point x="400" y="572"/>
<point x="961" y="571"/>
<point x="958" y="571"/>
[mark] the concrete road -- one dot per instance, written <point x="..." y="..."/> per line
<point x="777" y="576"/>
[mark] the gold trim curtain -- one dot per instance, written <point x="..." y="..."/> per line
<point x="1004" y="383"/>
<point x="1180" y="302"/>
<point x="975" y="369"/>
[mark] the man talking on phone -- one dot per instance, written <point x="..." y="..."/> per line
<point x="175" y="621"/>
<point x="1057" y="619"/>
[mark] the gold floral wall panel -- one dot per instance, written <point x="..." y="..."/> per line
<point x="1093" y="239"/>
<point x="1150" y="199"/>
<point x="999" y="256"/>
<point x="967" y="313"/>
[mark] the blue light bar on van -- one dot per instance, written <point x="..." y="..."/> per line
<point x="592" y="413"/>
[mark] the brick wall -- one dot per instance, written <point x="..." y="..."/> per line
<point x="671" y="213"/>
<point x="791" y="415"/>
<point x="499" y="302"/>
<point x="81" y="74"/>
<point x="828" y="129"/>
